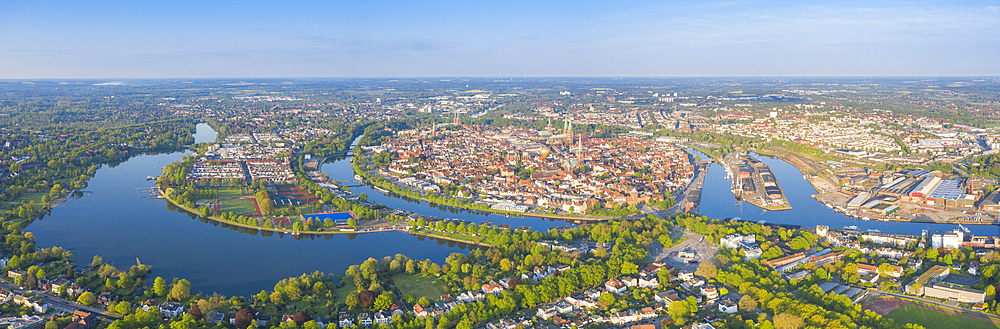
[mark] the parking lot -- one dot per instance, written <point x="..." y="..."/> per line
<point x="702" y="249"/>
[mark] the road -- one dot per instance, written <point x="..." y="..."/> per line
<point x="691" y="192"/>
<point x="59" y="303"/>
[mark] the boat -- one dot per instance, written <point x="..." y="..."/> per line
<point x="828" y="205"/>
<point x="851" y="227"/>
<point x="380" y="189"/>
<point x="295" y="233"/>
<point x="358" y="177"/>
<point x="150" y="178"/>
<point x="875" y="230"/>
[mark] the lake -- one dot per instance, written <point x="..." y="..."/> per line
<point x="113" y="221"/>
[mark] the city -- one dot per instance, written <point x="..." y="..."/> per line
<point x="493" y="165"/>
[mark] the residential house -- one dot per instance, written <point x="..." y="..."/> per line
<point x="630" y="281"/>
<point x="727" y="306"/>
<point x="615" y="286"/>
<point x="510" y="283"/>
<point x="148" y="304"/>
<point x="418" y="310"/>
<point x="382" y="317"/>
<point x="171" y="309"/>
<point x="649" y="281"/>
<point x="563" y="307"/>
<point x="547" y="311"/>
<point x="365" y="319"/>
<point x="14" y="274"/>
<point x="667" y="297"/>
<point x="23" y="322"/>
<point x="492" y="288"/>
<point x="710" y="292"/>
<point x="82" y="320"/>
<point x="347" y="321"/>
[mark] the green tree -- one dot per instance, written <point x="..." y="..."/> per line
<point x="383" y="302"/>
<point x="707" y="270"/>
<point x="123" y="308"/>
<point x="181" y="290"/>
<point x="788" y="321"/>
<point x="352" y="301"/>
<point x="87" y="298"/>
<point x="160" y="287"/>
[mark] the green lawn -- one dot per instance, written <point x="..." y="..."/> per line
<point x="238" y="206"/>
<point x="230" y="192"/>
<point x="935" y="319"/>
<point x="420" y="286"/>
<point x="457" y="236"/>
<point x="348" y="288"/>
<point x="28" y="197"/>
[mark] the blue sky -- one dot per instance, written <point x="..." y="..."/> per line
<point x="341" y="38"/>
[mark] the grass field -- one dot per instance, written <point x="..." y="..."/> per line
<point x="238" y="206"/>
<point x="461" y="237"/>
<point x="420" y="286"/>
<point x="347" y="289"/>
<point x="928" y="318"/>
<point x="28" y="197"/>
<point x="230" y="192"/>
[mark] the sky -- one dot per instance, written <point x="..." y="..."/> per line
<point x="383" y="38"/>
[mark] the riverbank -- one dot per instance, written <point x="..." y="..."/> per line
<point x="361" y="230"/>
<point x="449" y="236"/>
<point x="389" y="187"/>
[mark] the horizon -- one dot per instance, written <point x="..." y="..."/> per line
<point x="309" y="39"/>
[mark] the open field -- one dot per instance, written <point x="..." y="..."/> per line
<point x="28" y="197"/>
<point x="933" y="318"/>
<point x="420" y="286"/>
<point x="230" y="192"/>
<point x="238" y="206"/>
<point x="348" y="288"/>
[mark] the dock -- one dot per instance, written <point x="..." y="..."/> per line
<point x="754" y="182"/>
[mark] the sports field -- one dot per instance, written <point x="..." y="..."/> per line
<point x="933" y="318"/>
<point x="238" y="206"/>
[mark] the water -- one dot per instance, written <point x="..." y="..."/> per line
<point x="115" y="223"/>
<point x="717" y="201"/>
<point x="204" y="133"/>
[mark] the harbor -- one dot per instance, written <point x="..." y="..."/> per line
<point x="753" y="181"/>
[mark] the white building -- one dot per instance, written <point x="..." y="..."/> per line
<point x="951" y="239"/>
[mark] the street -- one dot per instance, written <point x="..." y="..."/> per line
<point x="59" y="303"/>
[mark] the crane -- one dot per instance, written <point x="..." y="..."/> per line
<point x="963" y="227"/>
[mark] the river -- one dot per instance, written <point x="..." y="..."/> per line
<point x="112" y="221"/>
<point x="717" y="201"/>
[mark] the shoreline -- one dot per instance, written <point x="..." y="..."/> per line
<point x="498" y="212"/>
<point x="899" y="219"/>
<point x="290" y="232"/>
